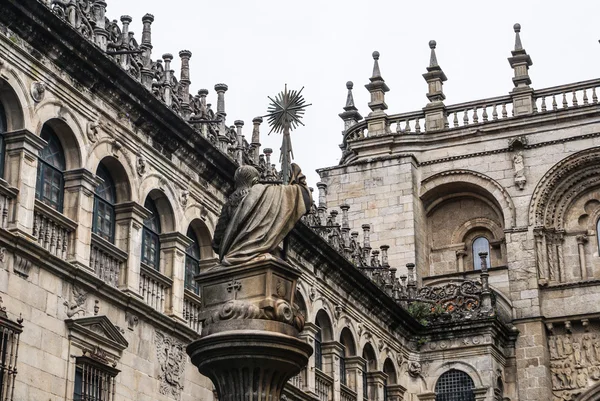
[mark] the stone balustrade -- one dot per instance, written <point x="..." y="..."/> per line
<point x="7" y="198"/>
<point x="323" y="386"/>
<point x="346" y="393"/>
<point x="106" y="260"/>
<point x="52" y="230"/>
<point x="191" y="310"/>
<point x="154" y="287"/>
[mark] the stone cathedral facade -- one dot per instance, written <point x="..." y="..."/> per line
<point x="453" y="254"/>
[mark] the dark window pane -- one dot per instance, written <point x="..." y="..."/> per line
<point x="454" y="385"/>
<point x="106" y="190"/>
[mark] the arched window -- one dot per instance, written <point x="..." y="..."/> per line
<point x="454" y="385"/>
<point x="50" y="183"/>
<point x="390" y="371"/>
<point x="3" y="129"/>
<point x="499" y="390"/>
<point x="150" y="238"/>
<point x="370" y="366"/>
<point x="104" y="210"/>
<point x="318" y="351"/>
<point x="480" y="244"/>
<point x="192" y="261"/>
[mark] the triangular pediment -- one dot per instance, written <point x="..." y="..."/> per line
<point x="97" y="329"/>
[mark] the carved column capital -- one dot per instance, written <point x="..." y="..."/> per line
<point x="581" y="239"/>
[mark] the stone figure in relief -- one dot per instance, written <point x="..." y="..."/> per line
<point x="588" y="349"/>
<point x="552" y="346"/>
<point x="597" y="347"/>
<point x="257" y="217"/>
<point x="568" y="344"/>
<point x="577" y="353"/>
<point x="519" y="167"/>
<point x="581" y="378"/>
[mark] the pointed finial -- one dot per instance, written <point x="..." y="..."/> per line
<point x="350" y="98"/>
<point x="350" y="115"/>
<point x="518" y="44"/>
<point x="376" y="71"/>
<point x="432" y="59"/>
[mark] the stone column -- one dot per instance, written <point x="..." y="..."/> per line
<point x="172" y="248"/>
<point x="129" y="218"/>
<point x="78" y="205"/>
<point x="354" y="368"/>
<point x="376" y="382"/>
<point x="309" y="334"/>
<point x="581" y="241"/>
<point x="460" y="260"/>
<point x="249" y="346"/>
<point x="22" y="149"/>
<point x="332" y="352"/>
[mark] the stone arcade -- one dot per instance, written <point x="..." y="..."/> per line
<point x="453" y="254"/>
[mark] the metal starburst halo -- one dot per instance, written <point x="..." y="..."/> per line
<point x="285" y="113"/>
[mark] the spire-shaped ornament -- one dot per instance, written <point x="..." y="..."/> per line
<point x="284" y="114"/>
<point x="351" y="116"/>
<point x="520" y="62"/>
<point x="377" y="121"/>
<point x="435" y="111"/>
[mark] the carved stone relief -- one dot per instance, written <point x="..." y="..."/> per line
<point x="574" y="357"/>
<point x="77" y="303"/>
<point x="38" y="90"/>
<point x="171" y="358"/>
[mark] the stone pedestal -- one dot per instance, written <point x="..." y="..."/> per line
<point x="249" y="345"/>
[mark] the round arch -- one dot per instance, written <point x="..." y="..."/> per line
<point x="370" y="356"/>
<point x="119" y="177"/>
<point x="461" y="232"/>
<point x="562" y="185"/>
<point x="12" y="105"/>
<point x="592" y="394"/>
<point x="323" y="320"/>
<point x="163" y="195"/>
<point x="390" y="370"/>
<point x="433" y="186"/>
<point x="203" y="236"/>
<point x="347" y="340"/>
<point x="68" y="140"/>
<point x="102" y="151"/>
<point x="454" y="365"/>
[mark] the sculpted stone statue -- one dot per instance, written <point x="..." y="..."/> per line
<point x="257" y="217"/>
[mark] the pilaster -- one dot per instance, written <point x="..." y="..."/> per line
<point x="172" y="249"/>
<point x="332" y="352"/>
<point x="376" y="381"/>
<point x="22" y="149"/>
<point x="354" y="370"/>
<point x="309" y="334"/>
<point x="129" y="218"/>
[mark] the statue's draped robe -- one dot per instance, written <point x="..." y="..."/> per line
<point x="261" y="221"/>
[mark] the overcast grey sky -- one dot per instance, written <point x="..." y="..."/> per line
<point x="255" y="47"/>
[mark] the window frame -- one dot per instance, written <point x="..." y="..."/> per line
<point x="45" y="166"/>
<point x="453" y="394"/>
<point x="318" y="351"/>
<point x="100" y="201"/>
<point x="149" y="233"/>
<point x="476" y="258"/>
<point x="101" y="374"/>
<point x="192" y="262"/>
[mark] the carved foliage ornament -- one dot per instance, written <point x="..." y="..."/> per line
<point x="171" y="358"/>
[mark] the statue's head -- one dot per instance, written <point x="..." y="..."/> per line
<point x="246" y="177"/>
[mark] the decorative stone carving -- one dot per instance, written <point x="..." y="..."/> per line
<point x="132" y="320"/>
<point x="574" y="357"/>
<point x="519" y="168"/>
<point x="116" y="146"/>
<point x="77" y="304"/>
<point x="414" y="368"/>
<point x="312" y="294"/>
<point x="38" y="90"/>
<point x="22" y="266"/>
<point x="141" y="164"/>
<point x="337" y="312"/>
<point x="183" y="198"/>
<point x="93" y="130"/>
<point x="171" y="359"/>
<point x="2" y="255"/>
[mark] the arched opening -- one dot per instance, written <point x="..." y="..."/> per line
<point x="454" y="385"/>
<point x="390" y="371"/>
<point x="324" y="334"/>
<point x="119" y="178"/>
<point x="105" y="197"/>
<point x="348" y="349"/>
<point x="499" y="390"/>
<point x="368" y="355"/>
<point x="192" y="261"/>
<point x="150" y="236"/>
<point x="51" y="166"/>
<point x="480" y="245"/>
